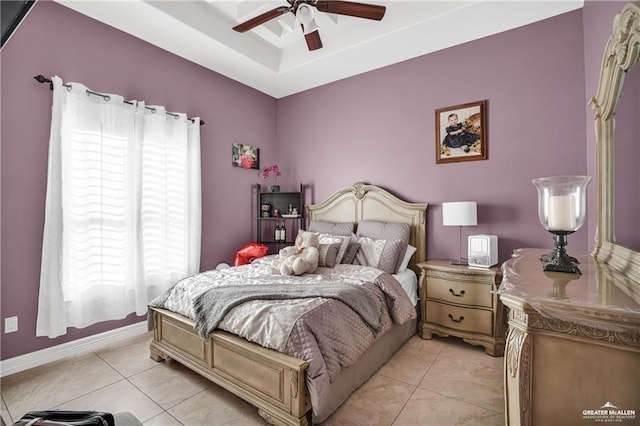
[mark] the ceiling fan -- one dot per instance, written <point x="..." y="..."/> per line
<point x="304" y="13"/>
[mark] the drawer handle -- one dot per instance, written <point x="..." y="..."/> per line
<point x="456" y="320"/>
<point x="454" y="293"/>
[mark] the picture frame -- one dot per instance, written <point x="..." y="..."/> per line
<point x="461" y="133"/>
<point x="245" y="156"/>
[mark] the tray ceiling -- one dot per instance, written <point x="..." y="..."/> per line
<point x="274" y="59"/>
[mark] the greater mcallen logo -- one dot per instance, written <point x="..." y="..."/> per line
<point x="609" y="413"/>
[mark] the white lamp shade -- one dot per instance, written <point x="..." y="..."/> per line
<point x="460" y="213"/>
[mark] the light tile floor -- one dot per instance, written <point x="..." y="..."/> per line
<point x="427" y="382"/>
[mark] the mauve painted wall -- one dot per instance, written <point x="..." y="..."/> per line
<point x="378" y="128"/>
<point x="56" y="40"/>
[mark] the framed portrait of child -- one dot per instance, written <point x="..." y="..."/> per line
<point x="461" y="133"/>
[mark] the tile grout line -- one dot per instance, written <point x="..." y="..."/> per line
<point x="97" y="389"/>
<point x="164" y="410"/>
<point x="417" y="386"/>
<point x="456" y="399"/>
<point x="404" y="406"/>
<point x="90" y="351"/>
<point x="138" y="389"/>
<point x="7" y="409"/>
<point x="168" y="414"/>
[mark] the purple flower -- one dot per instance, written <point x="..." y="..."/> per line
<point x="275" y="169"/>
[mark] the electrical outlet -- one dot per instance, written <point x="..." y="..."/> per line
<point x="11" y="324"/>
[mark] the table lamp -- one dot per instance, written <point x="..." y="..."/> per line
<point x="460" y="213"/>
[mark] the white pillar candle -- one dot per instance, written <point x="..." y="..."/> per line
<point x="562" y="213"/>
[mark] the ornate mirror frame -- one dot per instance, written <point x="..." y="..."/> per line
<point x="621" y="54"/>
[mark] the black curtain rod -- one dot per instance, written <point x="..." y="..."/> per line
<point x="42" y="79"/>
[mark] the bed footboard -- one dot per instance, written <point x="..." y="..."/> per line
<point x="271" y="381"/>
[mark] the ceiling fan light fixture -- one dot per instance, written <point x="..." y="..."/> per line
<point x="305" y="14"/>
<point x="310" y="27"/>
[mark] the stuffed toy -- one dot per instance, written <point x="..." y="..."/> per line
<point x="301" y="258"/>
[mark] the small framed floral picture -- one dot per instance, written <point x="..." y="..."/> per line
<point x="245" y="156"/>
<point x="461" y="133"/>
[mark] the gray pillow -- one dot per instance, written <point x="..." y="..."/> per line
<point x="323" y="238"/>
<point x="333" y="228"/>
<point x="389" y="259"/>
<point x="389" y="231"/>
<point x="328" y="253"/>
<point x="342" y="241"/>
<point x="350" y="254"/>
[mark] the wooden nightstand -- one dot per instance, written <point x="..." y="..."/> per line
<point x="461" y="301"/>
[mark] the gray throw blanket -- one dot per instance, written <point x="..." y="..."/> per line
<point x="212" y="305"/>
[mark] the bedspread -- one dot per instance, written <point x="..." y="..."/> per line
<point x="212" y="305"/>
<point x="325" y="332"/>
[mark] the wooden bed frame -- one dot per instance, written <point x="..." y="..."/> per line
<point x="272" y="381"/>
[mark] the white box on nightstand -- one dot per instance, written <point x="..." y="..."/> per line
<point x="483" y="250"/>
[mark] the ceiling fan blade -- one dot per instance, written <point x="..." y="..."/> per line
<point x="360" y="10"/>
<point x="313" y="40"/>
<point x="261" y="19"/>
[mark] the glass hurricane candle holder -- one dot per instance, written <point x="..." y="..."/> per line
<point x="561" y="211"/>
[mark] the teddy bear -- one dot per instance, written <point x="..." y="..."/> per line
<point x="301" y="258"/>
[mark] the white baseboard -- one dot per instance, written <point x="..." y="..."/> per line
<point x="54" y="353"/>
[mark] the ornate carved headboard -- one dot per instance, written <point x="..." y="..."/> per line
<point x="361" y="201"/>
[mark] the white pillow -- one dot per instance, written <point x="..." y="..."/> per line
<point x="370" y="251"/>
<point x="407" y="257"/>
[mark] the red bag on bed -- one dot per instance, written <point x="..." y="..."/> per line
<point x="248" y="252"/>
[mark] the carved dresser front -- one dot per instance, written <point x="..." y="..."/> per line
<point x="573" y="346"/>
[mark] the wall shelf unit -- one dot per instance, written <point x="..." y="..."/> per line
<point x="267" y="220"/>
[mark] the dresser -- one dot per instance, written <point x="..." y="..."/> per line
<point x="461" y="301"/>
<point x="573" y="347"/>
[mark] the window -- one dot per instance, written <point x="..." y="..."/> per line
<point x="123" y="208"/>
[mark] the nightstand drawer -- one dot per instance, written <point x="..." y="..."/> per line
<point x="462" y="293"/>
<point x="463" y="319"/>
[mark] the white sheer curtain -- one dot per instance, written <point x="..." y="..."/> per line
<point x="123" y="208"/>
